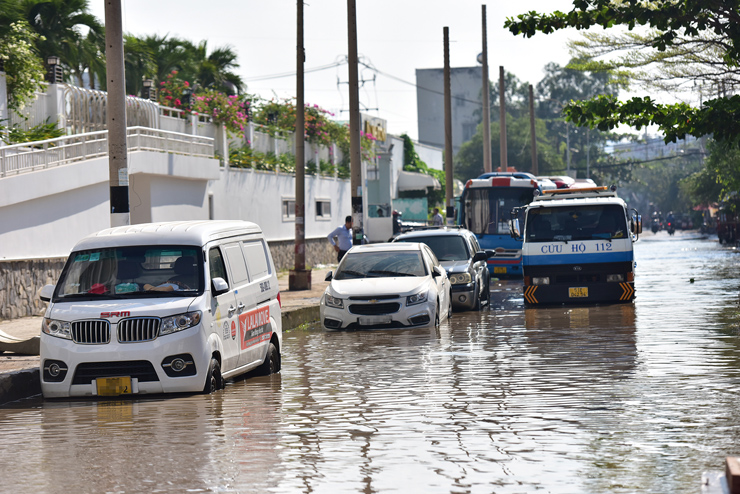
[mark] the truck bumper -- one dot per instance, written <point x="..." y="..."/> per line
<point x="579" y="293"/>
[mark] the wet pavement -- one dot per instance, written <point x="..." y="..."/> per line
<point x="606" y="399"/>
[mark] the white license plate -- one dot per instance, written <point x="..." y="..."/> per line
<point x="373" y="320"/>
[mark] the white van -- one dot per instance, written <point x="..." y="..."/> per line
<point x="160" y="308"/>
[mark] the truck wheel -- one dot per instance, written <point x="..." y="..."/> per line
<point x="271" y="365"/>
<point x="214" y="381"/>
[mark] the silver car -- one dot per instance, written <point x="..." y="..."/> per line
<point x="465" y="262"/>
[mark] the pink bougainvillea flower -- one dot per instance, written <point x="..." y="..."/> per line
<point x="178" y="102"/>
<point x="186" y="84"/>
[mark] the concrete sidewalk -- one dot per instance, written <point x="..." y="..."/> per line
<point x="19" y="374"/>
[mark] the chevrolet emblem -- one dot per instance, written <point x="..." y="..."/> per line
<point x="373" y="301"/>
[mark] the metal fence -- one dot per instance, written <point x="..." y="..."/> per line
<point x="27" y="157"/>
<point x="34" y="113"/>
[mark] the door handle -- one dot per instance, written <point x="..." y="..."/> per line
<point x="241" y="307"/>
<point x="231" y="310"/>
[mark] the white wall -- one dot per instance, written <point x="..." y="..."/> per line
<point x="432" y="156"/>
<point x="45" y="212"/>
<point x="257" y="196"/>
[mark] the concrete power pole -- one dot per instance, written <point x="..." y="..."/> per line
<point x="502" y="113"/>
<point x="450" y="205"/>
<point x="300" y="278"/>
<point x="355" y="158"/>
<point x="487" y="166"/>
<point x="532" y="132"/>
<point x="116" y="116"/>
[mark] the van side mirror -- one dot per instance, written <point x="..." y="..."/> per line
<point x="480" y="256"/>
<point x="219" y="286"/>
<point x="328" y="276"/>
<point x="46" y="292"/>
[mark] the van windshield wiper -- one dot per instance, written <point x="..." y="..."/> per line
<point x="89" y="295"/>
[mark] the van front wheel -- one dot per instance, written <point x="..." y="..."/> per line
<point x="271" y="365"/>
<point x="214" y="381"/>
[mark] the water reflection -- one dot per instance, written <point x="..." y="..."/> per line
<point x="607" y="399"/>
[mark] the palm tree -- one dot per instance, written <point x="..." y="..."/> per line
<point x="61" y="23"/>
<point x="213" y="71"/>
<point x="138" y="61"/>
<point x="10" y="11"/>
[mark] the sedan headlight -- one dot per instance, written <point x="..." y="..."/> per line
<point x="419" y="298"/>
<point x="335" y="302"/>
<point x="179" y="322"/>
<point x="544" y="280"/>
<point x="60" y="329"/>
<point x="460" y="278"/>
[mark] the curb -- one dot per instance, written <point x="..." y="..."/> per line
<point x="296" y="317"/>
<point x="26" y="383"/>
<point x="18" y="385"/>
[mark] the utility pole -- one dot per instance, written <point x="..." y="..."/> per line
<point x="502" y="113"/>
<point x="532" y="132"/>
<point x="300" y="278"/>
<point x="116" y="116"/>
<point x="450" y="206"/>
<point x="355" y="158"/>
<point x="486" y="101"/>
<point x="567" y="144"/>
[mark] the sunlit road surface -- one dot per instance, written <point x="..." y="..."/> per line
<point x="608" y="399"/>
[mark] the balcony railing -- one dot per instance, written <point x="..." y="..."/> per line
<point x="30" y="156"/>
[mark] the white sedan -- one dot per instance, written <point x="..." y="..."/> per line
<point x="395" y="285"/>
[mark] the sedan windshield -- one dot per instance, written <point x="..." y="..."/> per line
<point x="379" y="265"/>
<point x="445" y="247"/>
<point x="132" y="272"/>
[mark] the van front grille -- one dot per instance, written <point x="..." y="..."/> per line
<point x="93" y="332"/>
<point x="138" y="329"/>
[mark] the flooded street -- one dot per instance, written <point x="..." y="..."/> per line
<point x="609" y="399"/>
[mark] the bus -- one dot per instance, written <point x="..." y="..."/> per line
<point x="485" y="205"/>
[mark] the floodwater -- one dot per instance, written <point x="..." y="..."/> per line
<point x="608" y="399"/>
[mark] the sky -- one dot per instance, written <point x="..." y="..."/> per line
<point x="394" y="36"/>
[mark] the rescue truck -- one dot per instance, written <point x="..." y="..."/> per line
<point x="577" y="246"/>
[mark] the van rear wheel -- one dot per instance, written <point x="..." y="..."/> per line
<point x="214" y="380"/>
<point x="271" y="365"/>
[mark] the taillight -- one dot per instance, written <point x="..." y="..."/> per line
<point x="279" y="302"/>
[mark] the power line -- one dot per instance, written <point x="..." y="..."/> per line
<point x="292" y="73"/>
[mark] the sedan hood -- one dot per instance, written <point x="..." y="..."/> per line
<point x="401" y="286"/>
<point x="455" y="266"/>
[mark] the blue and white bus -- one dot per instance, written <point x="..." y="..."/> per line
<point x="485" y="208"/>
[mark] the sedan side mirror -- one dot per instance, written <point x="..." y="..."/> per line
<point x="436" y="272"/>
<point x="46" y="292"/>
<point x="219" y="286"/>
<point x="480" y="256"/>
<point x="328" y="276"/>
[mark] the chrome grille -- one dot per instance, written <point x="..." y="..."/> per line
<point x="138" y="329"/>
<point x="93" y="332"/>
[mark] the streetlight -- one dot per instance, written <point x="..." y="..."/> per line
<point x="55" y="73"/>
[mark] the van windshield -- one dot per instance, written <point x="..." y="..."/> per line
<point x="132" y="272"/>
<point x="565" y="223"/>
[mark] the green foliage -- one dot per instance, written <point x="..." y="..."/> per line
<point x="23" y="67"/>
<point x="230" y="111"/>
<point x="469" y="159"/>
<point x="671" y="21"/>
<point x="412" y="163"/>
<point x="40" y="132"/>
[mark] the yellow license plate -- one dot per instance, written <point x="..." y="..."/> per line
<point x="113" y="386"/>
<point x="500" y="270"/>
<point x="579" y="292"/>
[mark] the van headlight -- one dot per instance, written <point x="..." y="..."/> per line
<point x="335" y="302"/>
<point x="60" y="329"/>
<point x="419" y="298"/>
<point x="460" y="278"/>
<point x="179" y="322"/>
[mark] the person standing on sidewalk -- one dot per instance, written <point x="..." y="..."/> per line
<point x="437" y="219"/>
<point x="343" y="236"/>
